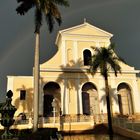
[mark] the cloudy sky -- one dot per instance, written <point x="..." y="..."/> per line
<point x="119" y="17"/>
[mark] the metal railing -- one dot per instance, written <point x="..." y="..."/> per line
<point x="98" y="118"/>
<point x="127" y="123"/>
<point x="76" y="118"/>
<point x="123" y="122"/>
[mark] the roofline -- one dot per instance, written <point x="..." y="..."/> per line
<point x="77" y="26"/>
<point x="84" y="24"/>
<point x="17" y="76"/>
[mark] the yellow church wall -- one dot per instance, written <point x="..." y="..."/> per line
<point x="84" y="77"/>
<point x="72" y="96"/>
<point x="50" y="79"/>
<point x="53" y="62"/>
<point x="127" y="81"/>
<point x="61" y="74"/>
<point x="70" y="88"/>
<point x="85" y="44"/>
<point x="69" y="44"/>
<point x="23" y="83"/>
<point x="69" y="52"/>
<point x="87" y="29"/>
<point x="65" y="42"/>
<point x="56" y="76"/>
<point x="50" y="74"/>
<point x="63" y="68"/>
<point x="86" y="38"/>
<point x="138" y="82"/>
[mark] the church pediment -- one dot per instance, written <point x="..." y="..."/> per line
<point x="86" y="29"/>
<point x="74" y="45"/>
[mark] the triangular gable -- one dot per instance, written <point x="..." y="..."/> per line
<point x="86" y="29"/>
<point x="126" y="67"/>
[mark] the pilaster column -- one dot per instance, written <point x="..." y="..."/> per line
<point x="102" y="95"/>
<point x="63" y="52"/>
<point x="135" y="97"/>
<point x="80" y="96"/>
<point x="75" y="51"/>
<point x="97" y="44"/>
<point x="10" y="83"/>
<point x="66" y="95"/>
<point x="63" y="98"/>
<point x="114" y="96"/>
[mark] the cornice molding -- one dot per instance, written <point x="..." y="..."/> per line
<point x="82" y="70"/>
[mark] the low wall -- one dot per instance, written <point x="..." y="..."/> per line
<point x="66" y="128"/>
<point x="126" y="132"/>
<point x="63" y="127"/>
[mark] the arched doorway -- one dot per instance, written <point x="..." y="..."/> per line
<point x="125" y="99"/>
<point x="51" y="93"/>
<point x="90" y="99"/>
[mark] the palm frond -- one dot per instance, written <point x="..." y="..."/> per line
<point x="105" y="57"/>
<point x="95" y="49"/>
<point x="112" y="46"/>
<point x="50" y="21"/>
<point x="25" y="6"/>
<point x="94" y="68"/>
<point x="55" y="13"/>
<point x="121" y="59"/>
<point x="115" y="66"/>
<point x="20" y="0"/>
<point x="94" y="64"/>
<point x="48" y="7"/>
<point x="61" y="2"/>
<point x="52" y="13"/>
<point x="103" y="68"/>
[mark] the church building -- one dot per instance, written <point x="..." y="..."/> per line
<point x="67" y="85"/>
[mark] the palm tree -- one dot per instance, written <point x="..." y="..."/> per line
<point x="49" y="9"/>
<point x="105" y="59"/>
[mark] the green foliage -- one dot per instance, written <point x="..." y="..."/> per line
<point x="47" y="7"/>
<point x="105" y="59"/>
<point x="1" y="104"/>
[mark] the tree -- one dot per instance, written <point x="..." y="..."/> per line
<point x="105" y="60"/>
<point x="49" y="9"/>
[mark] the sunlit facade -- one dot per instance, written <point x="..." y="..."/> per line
<point x="66" y="83"/>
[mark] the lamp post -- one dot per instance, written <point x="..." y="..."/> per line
<point x="54" y="110"/>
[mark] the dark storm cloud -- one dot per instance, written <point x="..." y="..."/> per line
<point x="119" y="17"/>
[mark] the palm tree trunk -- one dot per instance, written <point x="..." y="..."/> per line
<point x="108" y="106"/>
<point x="36" y="83"/>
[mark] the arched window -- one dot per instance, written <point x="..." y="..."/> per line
<point x="90" y="99"/>
<point x="125" y="99"/>
<point x="87" y="57"/>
